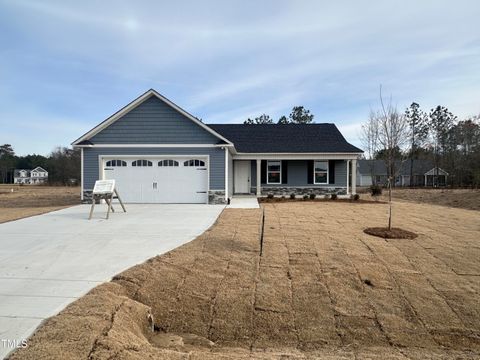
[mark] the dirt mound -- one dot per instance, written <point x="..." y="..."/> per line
<point x="393" y="233"/>
<point x="320" y="289"/>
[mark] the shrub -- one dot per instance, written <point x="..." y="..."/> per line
<point x="292" y="196"/>
<point x="333" y="196"/>
<point x="270" y="196"/>
<point x="305" y="197"/>
<point x="356" y="197"/>
<point x="283" y="197"/>
<point x="312" y="196"/>
<point x="375" y="190"/>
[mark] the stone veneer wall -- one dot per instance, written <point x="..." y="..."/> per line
<point x="87" y="196"/>
<point x="279" y="190"/>
<point x="216" y="197"/>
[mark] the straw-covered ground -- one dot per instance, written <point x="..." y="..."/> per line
<point x="318" y="287"/>
<point x="17" y="202"/>
<point x="459" y="198"/>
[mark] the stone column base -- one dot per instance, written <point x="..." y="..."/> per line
<point x="216" y="197"/>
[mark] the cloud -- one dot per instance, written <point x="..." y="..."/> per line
<point x="226" y="61"/>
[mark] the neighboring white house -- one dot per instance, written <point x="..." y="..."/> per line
<point x="31" y="177"/>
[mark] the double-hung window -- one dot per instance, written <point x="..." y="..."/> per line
<point x="274" y="172"/>
<point x="320" y="174"/>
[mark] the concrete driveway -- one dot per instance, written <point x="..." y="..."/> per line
<point x="48" y="261"/>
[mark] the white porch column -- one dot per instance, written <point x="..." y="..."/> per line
<point x="259" y="177"/>
<point x="81" y="174"/>
<point x="354" y="176"/>
<point x="348" y="173"/>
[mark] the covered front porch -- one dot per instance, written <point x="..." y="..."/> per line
<point x="283" y="175"/>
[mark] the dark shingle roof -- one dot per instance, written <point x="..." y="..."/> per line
<point x="420" y="167"/>
<point x="286" y="138"/>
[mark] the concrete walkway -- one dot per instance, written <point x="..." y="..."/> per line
<point x="243" y="202"/>
<point x="48" y="261"/>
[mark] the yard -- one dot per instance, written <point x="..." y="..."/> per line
<point x="459" y="198"/>
<point x="26" y="201"/>
<point x="316" y="287"/>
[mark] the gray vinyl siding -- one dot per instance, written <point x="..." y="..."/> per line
<point x="154" y="122"/>
<point x="216" y="156"/>
<point x="298" y="174"/>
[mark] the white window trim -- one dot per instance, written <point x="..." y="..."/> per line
<point x="274" y="183"/>
<point x="328" y="175"/>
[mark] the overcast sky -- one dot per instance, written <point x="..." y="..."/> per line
<point x="67" y="65"/>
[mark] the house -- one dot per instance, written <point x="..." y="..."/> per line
<point x="159" y="153"/>
<point x="30" y="177"/>
<point x="424" y="173"/>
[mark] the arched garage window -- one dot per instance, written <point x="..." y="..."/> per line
<point x="142" y="163"/>
<point x="116" y="163"/>
<point x="168" y="162"/>
<point x="194" y="162"/>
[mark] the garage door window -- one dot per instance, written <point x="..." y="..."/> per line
<point x="142" y="163"/>
<point x="194" y="162"/>
<point x="116" y="163"/>
<point x="168" y="163"/>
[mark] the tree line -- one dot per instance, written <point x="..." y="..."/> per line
<point x="298" y="115"/>
<point x="62" y="164"/>
<point x="438" y="135"/>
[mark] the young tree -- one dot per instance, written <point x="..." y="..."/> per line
<point x="440" y="121"/>
<point x="418" y="126"/>
<point x="262" y="119"/>
<point x="392" y="135"/>
<point x="283" y="120"/>
<point x="300" y="115"/>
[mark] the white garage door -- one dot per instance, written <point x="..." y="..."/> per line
<point x="159" y="180"/>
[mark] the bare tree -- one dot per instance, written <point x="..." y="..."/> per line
<point x="392" y="135"/>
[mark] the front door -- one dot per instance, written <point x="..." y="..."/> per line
<point x="242" y="177"/>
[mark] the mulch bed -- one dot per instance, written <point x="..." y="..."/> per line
<point x="393" y="233"/>
<point x="287" y="199"/>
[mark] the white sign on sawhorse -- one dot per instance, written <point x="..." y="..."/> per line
<point x="105" y="190"/>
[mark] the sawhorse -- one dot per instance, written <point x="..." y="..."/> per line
<point x="108" y="197"/>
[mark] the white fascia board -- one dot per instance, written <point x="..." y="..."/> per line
<point x="432" y="172"/>
<point x="152" y="146"/>
<point x="81" y="146"/>
<point x="297" y="156"/>
<point x="137" y="102"/>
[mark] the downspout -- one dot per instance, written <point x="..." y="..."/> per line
<point x="226" y="175"/>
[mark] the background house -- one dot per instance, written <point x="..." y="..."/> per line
<point x="424" y="173"/>
<point x="31" y="177"/>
